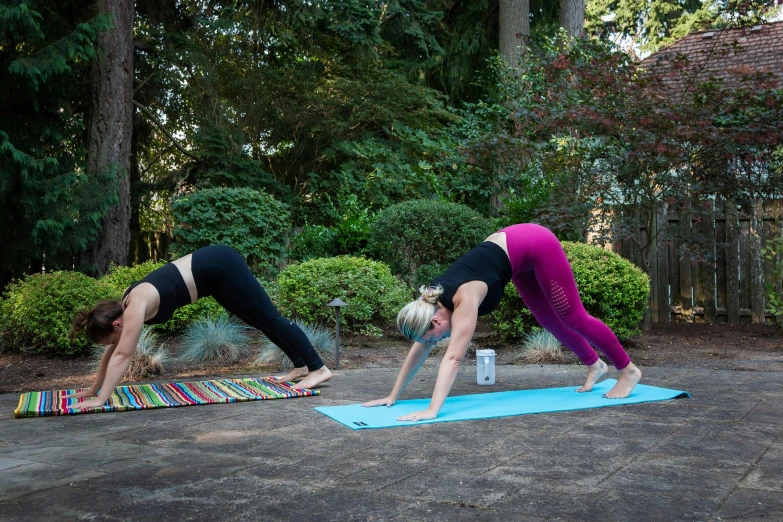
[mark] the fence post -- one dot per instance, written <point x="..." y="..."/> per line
<point x="652" y="260"/>
<point x="732" y="262"/>
<point x="685" y="265"/>
<point x="756" y="262"/>
<point x="664" y="304"/>
<point x="708" y="269"/>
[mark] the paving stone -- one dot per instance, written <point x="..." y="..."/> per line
<point x="716" y="455"/>
<point x="750" y="505"/>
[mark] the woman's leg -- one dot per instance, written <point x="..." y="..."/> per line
<point x="235" y="288"/>
<point x="531" y="293"/>
<point x="556" y="279"/>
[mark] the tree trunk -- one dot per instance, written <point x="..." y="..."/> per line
<point x="572" y="17"/>
<point x="109" y="132"/>
<point x="134" y="178"/>
<point x="514" y="27"/>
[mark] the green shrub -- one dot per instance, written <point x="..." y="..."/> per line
<point x="351" y="227"/>
<point x="271" y="288"/>
<point x="200" y="310"/>
<point x="36" y="312"/>
<point x="426" y="273"/>
<point x="612" y="289"/>
<point x="373" y="294"/>
<point x="121" y="277"/>
<point x="349" y="234"/>
<point x="251" y="221"/>
<point x="511" y="320"/>
<point x="412" y="234"/>
<point x="312" y="242"/>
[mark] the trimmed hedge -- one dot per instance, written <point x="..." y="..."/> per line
<point x="251" y="221"/>
<point x="36" y="312"/>
<point x="373" y="294"/>
<point x="611" y="288"/>
<point x="415" y="236"/>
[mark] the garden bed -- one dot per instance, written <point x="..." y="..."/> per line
<point x="750" y="347"/>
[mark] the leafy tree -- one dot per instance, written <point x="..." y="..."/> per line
<point x="617" y="147"/>
<point x="646" y="26"/>
<point x="51" y="209"/>
<point x="276" y="97"/>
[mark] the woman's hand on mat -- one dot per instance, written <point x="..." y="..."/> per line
<point x="89" y="392"/>
<point x="86" y="405"/>
<point x="419" y="416"/>
<point x="386" y="401"/>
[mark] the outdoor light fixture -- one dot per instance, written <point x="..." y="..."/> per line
<point x="336" y="304"/>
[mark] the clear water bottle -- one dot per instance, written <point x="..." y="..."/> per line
<point x="485" y="367"/>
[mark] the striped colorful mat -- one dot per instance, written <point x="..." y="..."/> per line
<point x="169" y="395"/>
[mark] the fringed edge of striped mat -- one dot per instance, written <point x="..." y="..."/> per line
<point x="164" y="395"/>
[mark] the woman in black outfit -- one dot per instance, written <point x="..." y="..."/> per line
<point x="219" y="271"/>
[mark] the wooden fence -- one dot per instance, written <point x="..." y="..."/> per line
<point x="730" y="287"/>
<point x="145" y="246"/>
<point x="148" y="245"/>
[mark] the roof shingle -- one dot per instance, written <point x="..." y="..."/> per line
<point x="727" y="54"/>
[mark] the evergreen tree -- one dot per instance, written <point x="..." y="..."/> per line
<point x="50" y="208"/>
<point x="109" y="128"/>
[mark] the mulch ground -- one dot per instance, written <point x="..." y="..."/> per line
<point x="750" y="347"/>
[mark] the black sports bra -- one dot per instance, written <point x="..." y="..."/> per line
<point x="487" y="262"/>
<point x="173" y="291"/>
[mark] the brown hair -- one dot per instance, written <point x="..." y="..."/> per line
<point x="97" y="323"/>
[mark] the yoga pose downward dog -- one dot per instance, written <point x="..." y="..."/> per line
<point x="218" y="271"/>
<point x="532" y="258"/>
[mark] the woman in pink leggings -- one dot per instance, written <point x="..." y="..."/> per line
<point x="532" y="258"/>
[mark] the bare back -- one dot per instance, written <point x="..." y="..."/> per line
<point x="145" y="298"/>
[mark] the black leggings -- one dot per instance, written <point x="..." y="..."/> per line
<point x="220" y="271"/>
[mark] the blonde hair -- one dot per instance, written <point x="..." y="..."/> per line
<point x="415" y="318"/>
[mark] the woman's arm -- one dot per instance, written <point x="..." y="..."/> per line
<point x="96" y="386"/>
<point x="132" y="324"/>
<point x="416" y="357"/>
<point x="463" y="325"/>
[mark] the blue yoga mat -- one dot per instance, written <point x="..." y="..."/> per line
<point x="498" y="404"/>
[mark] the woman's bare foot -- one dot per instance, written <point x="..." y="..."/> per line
<point x="316" y="378"/>
<point x="594" y="372"/>
<point x="627" y="379"/>
<point x="296" y="373"/>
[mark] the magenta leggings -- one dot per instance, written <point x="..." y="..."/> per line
<point x="545" y="282"/>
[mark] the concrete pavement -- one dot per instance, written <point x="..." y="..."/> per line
<point x="715" y="456"/>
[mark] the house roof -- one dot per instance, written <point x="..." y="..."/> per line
<point x="728" y="54"/>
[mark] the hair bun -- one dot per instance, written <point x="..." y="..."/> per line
<point x="430" y="294"/>
<point x="80" y="322"/>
